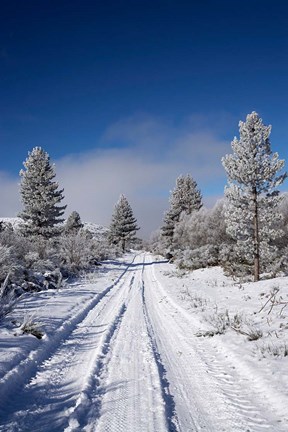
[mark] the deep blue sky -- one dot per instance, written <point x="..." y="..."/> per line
<point x="71" y="69"/>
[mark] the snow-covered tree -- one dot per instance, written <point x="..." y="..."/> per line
<point x="40" y="196"/>
<point x="199" y="238"/>
<point x="73" y="223"/>
<point x="123" y="226"/>
<point x="184" y="199"/>
<point x="252" y="195"/>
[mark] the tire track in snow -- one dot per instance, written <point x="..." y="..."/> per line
<point x="230" y="384"/>
<point x="239" y="390"/>
<point x="170" y="408"/>
<point x="92" y="393"/>
<point x="25" y="372"/>
<point x="132" y="397"/>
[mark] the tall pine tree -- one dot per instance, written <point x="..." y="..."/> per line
<point x="123" y="226"/>
<point x="252" y="195"/>
<point x="40" y="196"/>
<point x="184" y="199"/>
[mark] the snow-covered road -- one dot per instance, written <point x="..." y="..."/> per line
<point x="127" y="359"/>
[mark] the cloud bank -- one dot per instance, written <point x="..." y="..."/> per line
<point x="141" y="157"/>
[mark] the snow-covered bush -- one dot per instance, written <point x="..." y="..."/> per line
<point x="6" y="261"/>
<point x="42" y="255"/>
<point x="76" y="251"/>
<point x="13" y="248"/>
<point x="220" y="321"/>
<point x="195" y="300"/>
<point x="102" y="249"/>
<point x="153" y="245"/>
<point x="199" y="238"/>
<point x="233" y="263"/>
<point x="8" y="298"/>
<point x="204" y="256"/>
<point x="80" y="251"/>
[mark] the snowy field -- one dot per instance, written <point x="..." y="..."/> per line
<point x="139" y="346"/>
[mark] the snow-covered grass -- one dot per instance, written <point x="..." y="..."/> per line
<point x="251" y="311"/>
<point x="248" y="322"/>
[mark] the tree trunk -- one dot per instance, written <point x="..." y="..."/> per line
<point x="256" y="237"/>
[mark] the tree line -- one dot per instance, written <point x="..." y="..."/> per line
<point x="43" y="248"/>
<point x="246" y="232"/>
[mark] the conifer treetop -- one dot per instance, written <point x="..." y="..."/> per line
<point x="253" y="163"/>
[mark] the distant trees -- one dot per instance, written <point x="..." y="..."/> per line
<point x="40" y="196"/>
<point x="123" y="225"/>
<point x="200" y="237"/>
<point x="185" y="198"/>
<point x="252" y="197"/>
<point x="73" y="223"/>
<point x="246" y="233"/>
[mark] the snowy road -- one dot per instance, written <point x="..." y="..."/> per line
<point x="127" y="359"/>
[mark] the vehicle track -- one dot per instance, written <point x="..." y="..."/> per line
<point x="170" y="409"/>
<point x="129" y="361"/>
<point x="132" y="398"/>
<point x="24" y="389"/>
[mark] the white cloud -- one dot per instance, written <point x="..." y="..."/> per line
<point x="145" y="169"/>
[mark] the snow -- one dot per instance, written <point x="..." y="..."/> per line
<point x="15" y="222"/>
<point x="126" y="348"/>
<point x="98" y="231"/>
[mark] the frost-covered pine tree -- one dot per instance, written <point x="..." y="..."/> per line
<point x="40" y="196"/>
<point x="185" y="198"/>
<point x="123" y="226"/>
<point x="73" y="223"/>
<point x="252" y="196"/>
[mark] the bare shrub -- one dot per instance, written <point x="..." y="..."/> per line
<point x="222" y="321"/>
<point x="219" y="322"/>
<point x="195" y="300"/>
<point x="30" y="326"/>
<point x="270" y="350"/>
<point x="7" y="298"/>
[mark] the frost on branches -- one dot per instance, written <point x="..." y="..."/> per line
<point x="252" y="197"/>
<point x="123" y="226"/>
<point x="40" y="196"/>
<point x="73" y="223"/>
<point x="184" y="199"/>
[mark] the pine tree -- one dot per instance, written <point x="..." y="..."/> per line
<point x="73" y="223"/>
<point x="252" y="198"/>
<point x="123" y="226"/>
<point x="184" y="199"/>
<point x="40" y="196"/>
